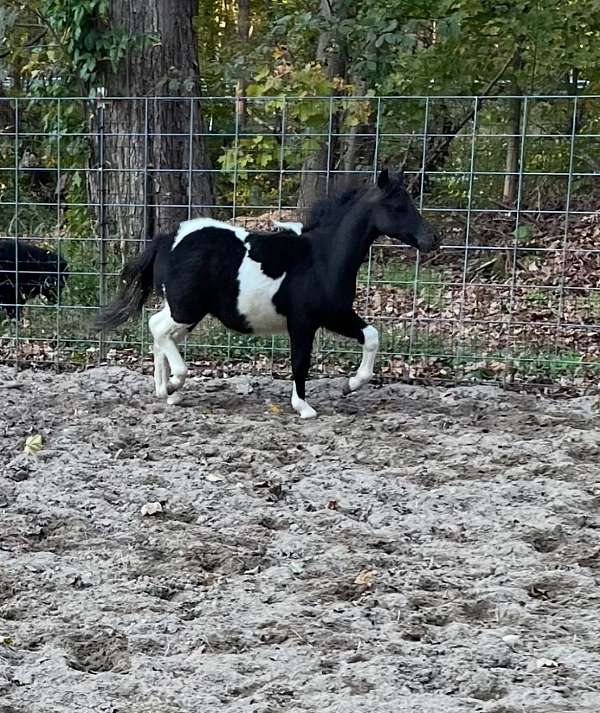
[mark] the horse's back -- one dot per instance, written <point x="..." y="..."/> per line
<point x="234" y="274"/>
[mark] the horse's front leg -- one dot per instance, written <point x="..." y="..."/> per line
<point x="370" y="344"/>
<point x="301" y="341"/>
<point x="355" y="327"/>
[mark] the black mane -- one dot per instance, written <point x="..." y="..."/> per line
<point x="330" y="211"/>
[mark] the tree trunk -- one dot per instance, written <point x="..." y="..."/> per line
<point x="514" y="141"/>
<point x="243" y="30"/>
<point x="155" y="172"/>
<point x="315" y="170"/>
<point x="358" y="149"/>
<point x="7" y="113"/>
<point x="512" y="153"/>
<point x="437" y="150"/>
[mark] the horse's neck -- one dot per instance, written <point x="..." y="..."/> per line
<point x="350" y="242"/>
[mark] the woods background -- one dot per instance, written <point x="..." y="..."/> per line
<point x="118" y="119"/>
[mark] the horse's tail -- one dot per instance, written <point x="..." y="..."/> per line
<point x="136" y="282"/>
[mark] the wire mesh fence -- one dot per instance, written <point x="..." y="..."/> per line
<point x="512" y="182"/>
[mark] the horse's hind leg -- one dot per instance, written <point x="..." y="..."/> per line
<point x="166" y="331"/>
<point x="176" y="363"/>
<point x="161" y="372"/>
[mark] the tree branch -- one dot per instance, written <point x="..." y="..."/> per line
<point x="443" y="145"/>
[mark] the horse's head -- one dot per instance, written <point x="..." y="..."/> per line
<point x="395" y="214"/>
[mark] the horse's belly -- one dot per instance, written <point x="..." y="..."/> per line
<point x="255" y="299"/>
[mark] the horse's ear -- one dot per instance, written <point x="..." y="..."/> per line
<point x="383" y="179"/>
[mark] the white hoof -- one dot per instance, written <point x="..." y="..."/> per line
<point x="354" y="383"/>
<point x="358" y="381"/>
<point x="175" y="398"/>
<point x="303" y="409"/>
<point x="307" y="412"/>
<point x="161" y="392"/>
<point x="177" y="381"/>
<point x="301" y="406"/>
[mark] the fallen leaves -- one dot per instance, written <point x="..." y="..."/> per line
<point x="243" y="388"/>
<point x="536" y="592"/>
<point x="366" y="577"/>
<point x="153" y="508"/>
<point x="547" y="663"/>
<point x="33" y="444"/>
<point x="213" y="478"/>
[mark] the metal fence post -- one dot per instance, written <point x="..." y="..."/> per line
<point x="16" y="218"/>
<point x="102" y="225"/>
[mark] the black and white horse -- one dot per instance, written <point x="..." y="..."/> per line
<point x="28" y="271"/>
<point x="296" y="280"/>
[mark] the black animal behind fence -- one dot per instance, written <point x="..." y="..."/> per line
<point x="27" y="272"/>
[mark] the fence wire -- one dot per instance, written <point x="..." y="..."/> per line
<point x="514" y="293"/>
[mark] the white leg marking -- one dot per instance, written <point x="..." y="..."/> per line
<point x="301" y="406"/>
<point x="178" y="367"/>
<point x="295" y="227"/>
<point x="365" y="370"/>
<point x="192" y="226"/>
<point x="161" y="375"/>
<point x="166" y="333"/>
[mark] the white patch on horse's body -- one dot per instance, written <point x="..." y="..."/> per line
<point x="365" y="370"/>
<point x="191" y="226"/>
<point x="294" y="227"/>
<point x="255" y="298"/>
<point x="300" y="405"/>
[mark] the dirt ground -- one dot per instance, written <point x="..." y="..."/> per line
<point x="413" y="549"/>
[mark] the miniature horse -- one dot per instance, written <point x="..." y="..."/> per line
<point x="297" y="279"/>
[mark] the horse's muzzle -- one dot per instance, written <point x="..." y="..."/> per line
<point x="429" y="240"/>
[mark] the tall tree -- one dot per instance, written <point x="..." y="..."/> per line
<point x="331" y="55"/>
<point x="155" y="161"/>
<point x="243" y="32"/>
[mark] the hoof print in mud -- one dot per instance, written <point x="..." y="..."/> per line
<point x="98" y="652"/>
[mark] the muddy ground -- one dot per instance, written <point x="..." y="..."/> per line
<point x="414" y="549"/>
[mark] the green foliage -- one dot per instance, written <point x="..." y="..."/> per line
<point x="522" y="232"/>
<point x="58" y="46"/>
<point x="447" y="47"/>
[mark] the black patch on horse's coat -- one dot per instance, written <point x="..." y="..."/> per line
<point x="275" y="252"/>
<point x="205" y="260"/>
<point x="201" y="264"/>
<point x="40" y="273"/>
